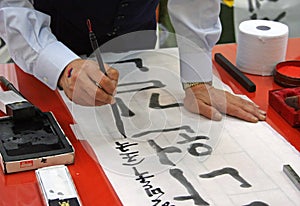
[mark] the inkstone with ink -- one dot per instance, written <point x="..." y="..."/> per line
<point x="32" y="143"/>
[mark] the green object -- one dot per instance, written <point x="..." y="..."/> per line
<point x="227" y="20"/>
<point x="167" y="39"/>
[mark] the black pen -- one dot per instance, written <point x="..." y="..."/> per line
<point x="235" y="72"/>
<point x="95" y="46"/>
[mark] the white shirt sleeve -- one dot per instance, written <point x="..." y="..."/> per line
<point x="31" y="43"/>
<point x="36" y="50"/>
<point x="198" y="29"/>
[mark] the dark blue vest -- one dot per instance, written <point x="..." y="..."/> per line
<point x="110" y="18"/>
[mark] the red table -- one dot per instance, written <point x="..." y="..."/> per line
<point x="92" y="185"/>
<point x="22" y="188"/>
<point x="263" y="85"/>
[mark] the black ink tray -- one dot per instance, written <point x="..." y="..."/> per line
<point x="33" y="143"/>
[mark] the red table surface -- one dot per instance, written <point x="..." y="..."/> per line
<point x="263" y="85"/>
<point x="92" y="185"/>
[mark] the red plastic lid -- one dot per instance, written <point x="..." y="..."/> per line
<point x="287" y="74"/>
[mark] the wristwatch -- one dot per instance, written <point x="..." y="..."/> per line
<point x="187" y="85"/>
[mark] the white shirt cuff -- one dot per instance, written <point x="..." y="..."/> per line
<point x="196" y="66"/>
<point x="51" y="62"/>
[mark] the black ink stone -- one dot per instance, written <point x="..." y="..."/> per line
<point x="36" y="137"/>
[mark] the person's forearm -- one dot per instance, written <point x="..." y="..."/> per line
<point x="30" y="42"/>
<point x="198" y="28"/>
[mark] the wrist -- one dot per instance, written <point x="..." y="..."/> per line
<point x="59" y="83"/>
<point x="67" y="73"/>
<point x="187" y="85"/>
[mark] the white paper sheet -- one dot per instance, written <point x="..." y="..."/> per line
<point x="173" y="157"/>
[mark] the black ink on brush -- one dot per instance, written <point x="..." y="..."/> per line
<point x="94" y="44"/>
<point x="235" y="72"/>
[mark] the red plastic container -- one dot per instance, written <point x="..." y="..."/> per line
<point x="277" y="101"/>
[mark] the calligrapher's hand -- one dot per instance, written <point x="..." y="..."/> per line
<point x="211" y="102"/>
<point x="85" y="84"/>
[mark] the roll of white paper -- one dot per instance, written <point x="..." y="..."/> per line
<point x="261" y="45"/>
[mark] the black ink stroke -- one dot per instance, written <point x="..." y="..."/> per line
<point x="257" y="4"/>
<point x="186" y="128"/>
<point x="155" y="84"/>
<point x="254" y="16"/>
<point x="124" y="147"/>
<point x="161" y="152"/>
<point x="251" y="7"/>
<point x="257" y="203"/>
<point x="138" y="63"/>
<point x="191" y="139"/>
<point x="144" y="178"/>
<point x="194" y="195"/>
<point x="130" y="158"/>
<point x="125" y="111"/>
<point x="227" y="170"/>
<point x="126" y="154"/>
<point x="280" y="16"/>
<point x="193" y="149"/>
<point x="154" y="103"/>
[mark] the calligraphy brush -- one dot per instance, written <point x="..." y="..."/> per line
<point x="94" y="44"/>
